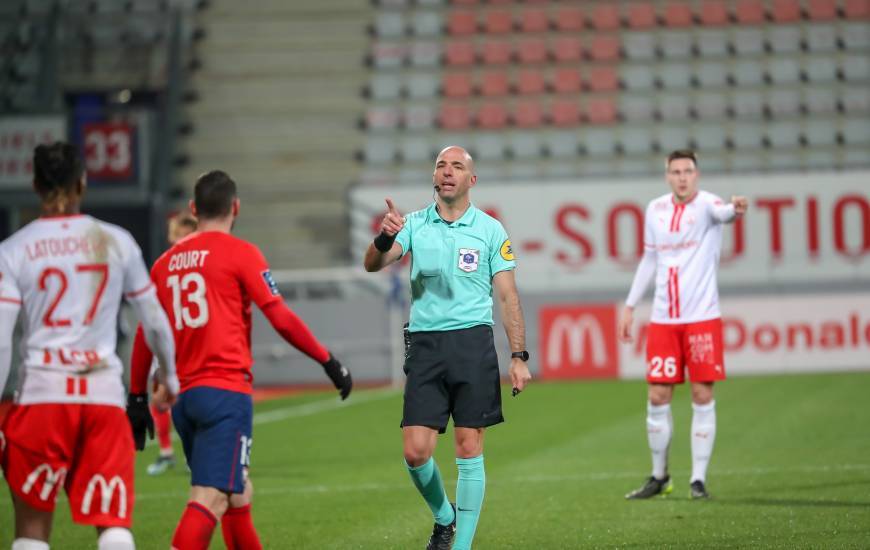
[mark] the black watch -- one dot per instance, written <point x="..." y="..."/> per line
<point x="524" y="355"/>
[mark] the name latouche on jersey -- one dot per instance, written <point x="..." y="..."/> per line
<point x="66" y="246"/>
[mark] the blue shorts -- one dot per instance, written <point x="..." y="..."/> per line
<point x="215" y="430"/>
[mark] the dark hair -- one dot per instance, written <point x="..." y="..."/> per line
<point x="683" y="154"/>
<point x="57" y="168"/>
<point x="213" y="195"/>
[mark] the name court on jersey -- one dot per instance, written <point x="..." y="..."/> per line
<point x="66" y="246"/>
<point x="187" y="259"/>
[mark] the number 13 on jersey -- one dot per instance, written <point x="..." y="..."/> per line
<point x="192" y="285"/>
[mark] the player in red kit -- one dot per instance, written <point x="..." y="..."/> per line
<point x="207" y="283"/>
<point x="68" y="272"/>
<point x="682" y="243"/>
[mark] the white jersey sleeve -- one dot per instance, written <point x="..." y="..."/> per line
<point x="10" y="305"/>
<point x="646" y="270"/>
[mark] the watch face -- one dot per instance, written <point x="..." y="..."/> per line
<point x="524" y="355"/>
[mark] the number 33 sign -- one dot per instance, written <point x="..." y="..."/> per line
<point x="109" y="151"/>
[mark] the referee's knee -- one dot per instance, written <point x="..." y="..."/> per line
<point x="416" y="455"/>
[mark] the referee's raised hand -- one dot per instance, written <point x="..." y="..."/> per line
<point x="393" y="221"/>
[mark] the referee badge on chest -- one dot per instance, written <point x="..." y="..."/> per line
<point x="469" y="259"/>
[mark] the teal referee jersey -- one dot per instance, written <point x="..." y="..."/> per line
<point x="452" y="266"/>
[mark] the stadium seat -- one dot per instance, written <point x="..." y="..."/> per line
<point x="747" y="72"/>
<point x="856" y="131"/>
<point x="498" y="21"/>
<point x="490" y="146"/>
<point x="425" y="54"/>
<point x="534" y="20"/>
<point x="674" y="137"/>
<point x="708" y="137"/>
<point x="497" y="52"/>
<point x="600" y="110"/>
<point x="637" y="77"/>
<point x="379" y="150"/>
<point x="634" y="108"/>
<point x="853" y="157"/>
<point x="820" y="132"/>
<point x="528" y="114"/>
<point x="819" y="100"/>
<point x="819" y="158"/>
<point x="454" y="116"/>
<point x="711" y="74"/>
<point x="676" y="44"/>
<point x="855" y="68"/>
<point x="820" y="68"/>
<point x="636" y="140"/>
<point x="749" y="12"/>
<point x="385" y="86"/>
<point x="784" y="38"/>
<point x="782" y="134"/>
<point x="566" y="80"/>
<point x="639" y="45"/>
<point x="601" y="78"/>
<point x="565" y="113"/>
<point x="641" y="15"/>
<point x="783" y="102"/>
<point x="783" y="70"/>
<point x="604" y="47"/>
<point x="459" y="53"/>
<point x="419" y="117"/>
<point x="415" y="149"/>
<point x="822" y="37"/>
<point x="711" y="42"/>
<point x="675" y="75"/>
<point x="382" y="118"/>
<point x="856" y="9"/>
<point x="426" y="23"/>
<point x="748" y="41"/>
<point x="713" y="13"/>
<point x="422" y="85"/>
<point x="788" y="160"/>
<point x="785" y="11"/>
<point x="494" y="83"/>
<point x="747" y="104"/>
<point x="599" y="141"/>
<point x="822" y="10"/>
<point x="673" y="106"/>
<point x="855" y="100"/>
<point x="710" y="105"/>
<point x="569" y="19"/>
<point x="457" y="85"/>
<point x="530" y="82"/>
<point x="747" y="135"/>
<point x="462" y="23"/>
<point x="389" y="24"/>
<point x="388" y="55"/>
<point x="525" y="144"/>
<point x="567" y="49"/>
<point x="678" y="14"/>
<point x="855" y="36"/>
<point x="562" y="143"/>
<point x="532" y="50"/>
<point x="605" y="16"/>
<point x="492" y="116"/>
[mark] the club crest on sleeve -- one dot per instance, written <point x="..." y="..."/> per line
<point x="507" y="251"/>
<point x="469" y="259"/>
<point x="270" y="282"/>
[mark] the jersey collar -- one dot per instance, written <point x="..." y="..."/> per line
<point x="467" y="218"/>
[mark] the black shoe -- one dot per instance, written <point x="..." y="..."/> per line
<point x="651" y="488"/>
<point x="698" y="490"/>
<point x="442" y="535"/>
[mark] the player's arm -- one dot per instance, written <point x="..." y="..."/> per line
<point x="504" y="284"/>
<point x="646" y="270"/>
<point x="385" y="250"/>
<point x="157" y="334"/>
<point x="727" y="213"/>
<point x="10" y="305"/>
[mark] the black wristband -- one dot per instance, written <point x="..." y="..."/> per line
<point x="384" y="242"/>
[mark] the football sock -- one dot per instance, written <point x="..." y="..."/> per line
<point x="116" y="538"/>
<point x="659" y="426"/>
<point x="29" y="544"/>
<point x="470" y="488"/>
<point x="163" y="426"/>
<point x="428" y="481"/>
<point x="237" y="527"/>
<point x="703" y="436"/>
<point x="195" y="528"/>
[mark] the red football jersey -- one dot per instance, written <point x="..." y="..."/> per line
<point x="206" y="284"/>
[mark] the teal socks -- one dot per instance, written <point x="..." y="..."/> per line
<point x="428" y="481"/>
<point x="470" y="488"/>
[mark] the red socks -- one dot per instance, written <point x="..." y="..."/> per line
<point x="195" y="528"/>
<point x="163" y="424"/>
<point x="238" y="529"/>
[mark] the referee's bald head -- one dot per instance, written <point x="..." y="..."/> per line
<point x="469" y="162"/>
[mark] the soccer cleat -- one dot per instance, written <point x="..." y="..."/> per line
<point x="651" y="488"/>
<point x="160" y="465"/>
<point x="442" y="535"/>
<point x="698" y="490"/>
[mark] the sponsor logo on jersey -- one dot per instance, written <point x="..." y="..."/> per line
<point x="52" y="478"/>
<point x="469" y="259"/>
<point x="270" y="282"/>
<point x="107" y="493"/>
<point x="507" y="251"/>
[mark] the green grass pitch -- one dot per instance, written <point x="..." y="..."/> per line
<point x="791" y="469"/>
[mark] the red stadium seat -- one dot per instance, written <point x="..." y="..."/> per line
<point x="498" y="22"/>
<point x="454" y="116"/>
<point x="528" y="114"/>
<point x="565" y="113"/>
<point x="567" y="81"/>
<point x="492" y="116"/>
<point x="534" y="20"/>
<point x="605" y="47"/>
<point x="642" y="15"/>
<point x="678" y="14"/>
<point x="857" y="9"/>
<point x="455" y="85"/>
<point x="497" y="52"/>
<point x="462" y="23"/>
<point x="530" y="82"/>
<point x="786" y="11"/>
<point x="600" y="111"/>
<point x="567" y="48"/>
<point x="749" y="12"/>
<point x="822" y="10"/>
<point x="713" y="13"/>
<point x="569" y="19"/>
<point x="459" y="53"/>
<point x="494" y="83"/>
<point x="532" y="50"/>
<point x="605" y="16"/>
<point x="602" y="79"/>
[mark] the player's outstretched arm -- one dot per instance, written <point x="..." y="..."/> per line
<point x="727" y="213"/>
<point x="298" y="335"/>
<point x="505" y="287"/>
<point x="384" y="250"/>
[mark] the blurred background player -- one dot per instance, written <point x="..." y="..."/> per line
<point x="68" y="428"/>
<point x="180" y="226"/>
<point x="682" y="243"/>
<point x="459" y="256"/>
<point x="206" y="284"/>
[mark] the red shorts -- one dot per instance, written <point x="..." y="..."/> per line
<point x="670" y="349"/>
<point x="86" y="448"/>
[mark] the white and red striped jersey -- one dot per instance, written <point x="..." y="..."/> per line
<point x="69" y="274"/>
<point x="682" y="244"/>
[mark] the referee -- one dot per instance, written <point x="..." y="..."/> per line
<point x="459" y="255"/>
